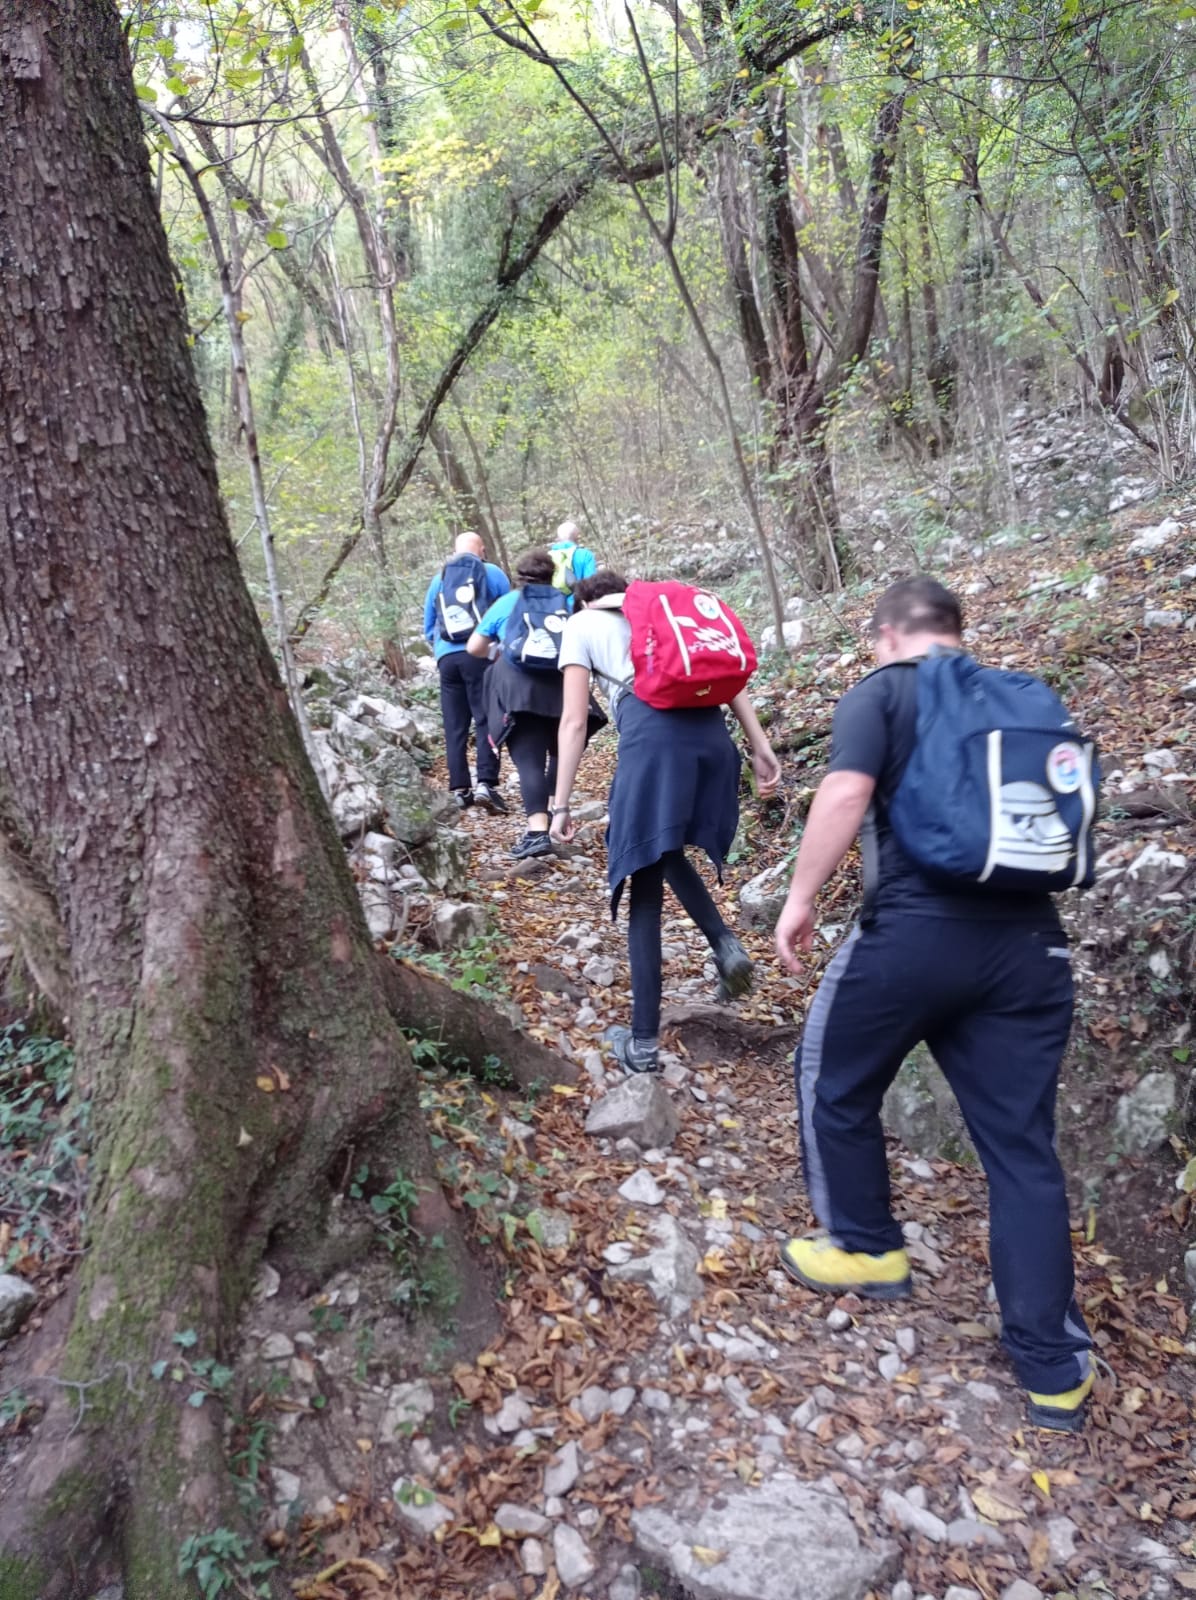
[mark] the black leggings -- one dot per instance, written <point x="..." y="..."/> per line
<point x="532" y="745"/>
<point x="643" y="933"/>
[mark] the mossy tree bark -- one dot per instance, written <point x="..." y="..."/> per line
<point x="228" y="1011"/>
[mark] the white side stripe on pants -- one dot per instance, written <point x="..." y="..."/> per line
<point x="811" y="1066"/>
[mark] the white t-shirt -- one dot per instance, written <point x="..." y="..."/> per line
<point x="600" y="641"/>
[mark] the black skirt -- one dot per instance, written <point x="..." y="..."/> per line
<point x="676" y="784"/>
<point x="513" y="691"/>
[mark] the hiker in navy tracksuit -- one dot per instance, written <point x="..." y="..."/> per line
<point x="984" y="978"/>
<point x="462" y="676"/>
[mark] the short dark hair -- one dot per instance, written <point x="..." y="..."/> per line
<point x="534" y="566"/>
<point x="598" y="586"/>
<point x="919" y="605"/>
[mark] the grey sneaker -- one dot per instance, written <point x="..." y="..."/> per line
<point x="488" y="797"/>
<point x="631" y="1054"/>
<point x="734" y="968"/>
<point x="464" y="798"/>
<point x="532" y="844"/>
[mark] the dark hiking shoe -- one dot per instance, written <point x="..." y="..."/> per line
<point x="488" y="797"/>
<point x="533" y="844"/>
<point x="632" y="1054"/>
<point x="464" y="798"/>
<point x="734" y="968"/>
<point x="1061" y="1413"/>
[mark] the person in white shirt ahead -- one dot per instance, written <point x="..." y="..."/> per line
<point x="676" y="784"/>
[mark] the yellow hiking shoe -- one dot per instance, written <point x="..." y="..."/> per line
<point x="1062" y="1413"/>
<point x="819" y="1264"/>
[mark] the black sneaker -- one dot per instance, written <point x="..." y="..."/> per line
<point x="631" y="1055"/>
<point x="464" y="798"/>
<point x="488" y="797"/>
<point x="734" y="968"/>
<point x="533" y="844"/>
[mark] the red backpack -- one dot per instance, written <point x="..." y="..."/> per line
<point x="688" y="648"/>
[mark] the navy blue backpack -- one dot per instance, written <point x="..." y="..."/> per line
<point x="464" y="596"/>
<point x="532" y="636"/>
<point x="1000" y="791"/>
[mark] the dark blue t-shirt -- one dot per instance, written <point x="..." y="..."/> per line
<point x="873" y="732"/>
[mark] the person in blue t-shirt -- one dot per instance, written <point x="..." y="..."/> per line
<point x="571" y="560"/>
<point x="523" y="703"/>
<point x="448" y="621"/>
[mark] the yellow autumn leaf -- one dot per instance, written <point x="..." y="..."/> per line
<point x="490" y="1536"/>
<point x="708" y="1557"/>
<point x="995" y="1509"/>
<point x="265" y="1084"/>
<point x="364" y="1445"/>
<point x="563" y="1089"/>
<point x="712" y="1263"/>
<point x="718" y="1209"/>
<point x="1042" y="1482"/>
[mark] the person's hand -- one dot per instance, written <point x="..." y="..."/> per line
<point x="795" y="931"/>
<point x="767" y="770"/>
<point x="562" y="825"/>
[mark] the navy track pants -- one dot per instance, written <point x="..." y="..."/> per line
<point x="993" y="1002"/>
<point x="463" y="701"/>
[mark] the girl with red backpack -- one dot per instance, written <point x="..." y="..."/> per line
<point x="677" y="779"/>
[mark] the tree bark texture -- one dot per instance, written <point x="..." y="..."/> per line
<point x="230" y="1022"/>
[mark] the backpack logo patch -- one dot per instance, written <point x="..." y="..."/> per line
<point x="1030" y="835"/>
<point x="1064" y="769"/>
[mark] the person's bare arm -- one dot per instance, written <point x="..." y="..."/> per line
<point x="478" y="644"/>
<point x="764" y="762"/>
<point x="571" y="744"/>
<point x="835" y="817"/>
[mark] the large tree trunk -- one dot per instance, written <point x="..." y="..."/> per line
<point x="229" y="1019"/>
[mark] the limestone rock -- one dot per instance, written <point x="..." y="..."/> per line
<point x="627" y="1585"/>
<point x="392" y="719"/>
<point x="1019" y="1589"/>
<point x="641" y="1189"/>
<point x="553" y="1228"/>
<point x="532" y="1558"/>
<point x="902" y="1513"/>
<point x="277" y="1347"/>
<point x="457" y="922"/>
<point x="1143" y="1116"/>
<point x="575" y="1562"/>
<point x="514" y="1413"/>
<point x="381" y="846"/>
<point x="600" y="970"/>
<point x="357" y="806"/>
<point x="921" y="1110"/>
<point x="381" y="912"/>
<point x="670" y="1271"/>
<point x="418" y="1507"/>
<point x="444" y="860"/>
<point x="1144" y="542"/>
<point x="17" y="1300"/>
<point x="639" y="1109"/>
<point x="782" y="1541"/>
<point x="286" y="1486"/>
<point x="1153" y="617"/>
<point x="761" y="898"/>
<point x="521" y="1522"/>
<point x="563" y="1471"/>
<point x="407" y="1406"/>
<point x="793" y="631"/>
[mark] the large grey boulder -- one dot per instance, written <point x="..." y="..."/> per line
<point x="783" y="1541"/>
<point x="1143" y="1116"/>
<point x="638" y="1109"/>
<point x="762" y="898"/>
<point x="17" y="1300"/>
